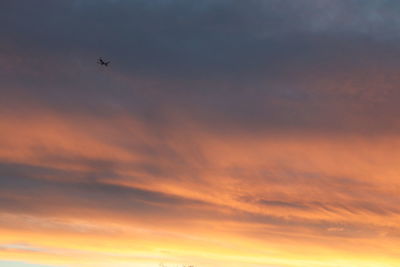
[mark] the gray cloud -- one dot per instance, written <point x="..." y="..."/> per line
<point x="229" y="64"/>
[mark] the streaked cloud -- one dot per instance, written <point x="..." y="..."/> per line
<point x="224" y="133"/>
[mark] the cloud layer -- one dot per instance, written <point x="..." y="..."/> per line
<point x="224" y="133"/>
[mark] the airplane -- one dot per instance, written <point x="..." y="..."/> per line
<point x="102" y="62"/>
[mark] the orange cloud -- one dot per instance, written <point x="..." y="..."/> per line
<point x="81" y="188"/>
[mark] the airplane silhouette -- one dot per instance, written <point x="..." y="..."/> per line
<point x="102" y="62"/>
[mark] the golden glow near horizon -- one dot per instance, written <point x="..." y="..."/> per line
<point x="269" y="200"/>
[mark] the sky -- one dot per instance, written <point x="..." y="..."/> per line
<point x="224" y="133"/>
<point x="19" y="264"/>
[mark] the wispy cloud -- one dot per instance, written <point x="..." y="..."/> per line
<point x="224" y="133"/>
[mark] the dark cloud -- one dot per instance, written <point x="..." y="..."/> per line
<point x="282" y="204"/>
<point x="229" y="64"/>
<point x="28" y="189"/>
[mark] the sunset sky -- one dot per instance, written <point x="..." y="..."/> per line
<point x="224" y="133"/>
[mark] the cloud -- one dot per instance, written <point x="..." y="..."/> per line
<point x="240" y="133"/>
